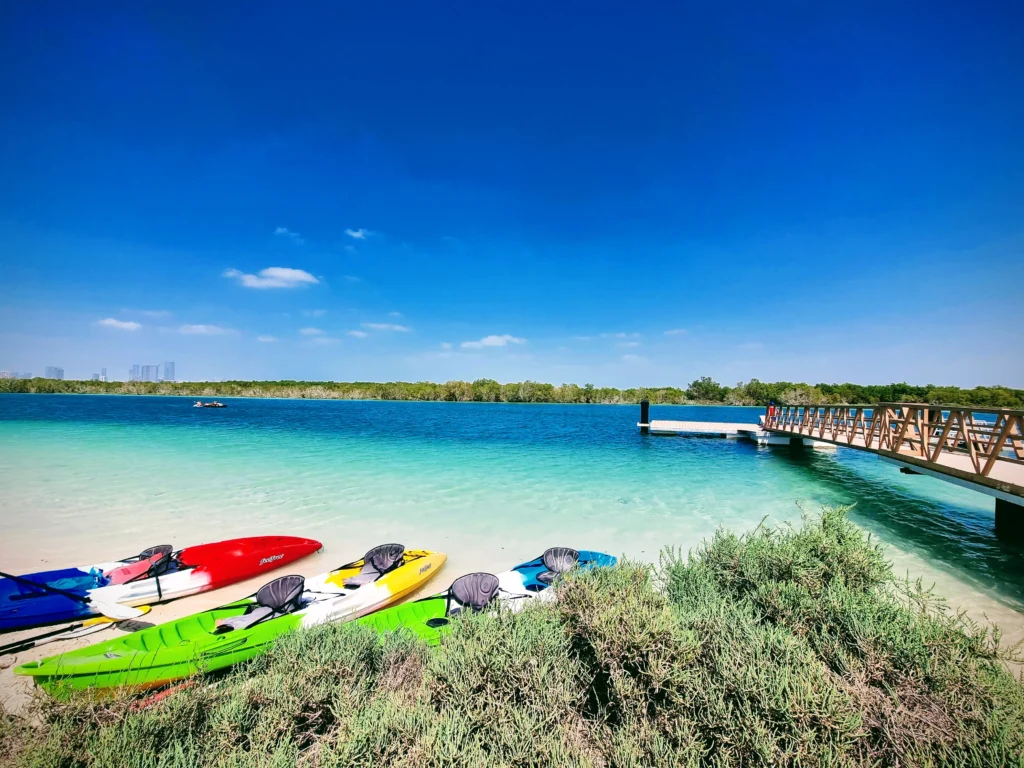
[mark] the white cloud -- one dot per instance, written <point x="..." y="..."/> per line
<point x="386" y="327"/>
<point x="324" y="341"/>
<point x="266" y="339"/>
<point x="358" y="334"/>
<point x="628" y="344"/>
<point x="121" y="325"/>
<point x="446" y="345"/>
<point x="311" y="332"/>
<point x="314" y="312"/>
<point x="493" y="341"/>
<point x="273" y="277"/>
<point x="155" y="313"/>
<point x="204" y="330"/>
<point x="620" y="335"/>
<point x="295" y="237"/>
<point x="675" y="332"/>
<point x="358" y="234"/>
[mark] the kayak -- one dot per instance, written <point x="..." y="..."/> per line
<point x="157" y="574"/>
<point x="429" y="617"/>
<point x="221" y="637"/>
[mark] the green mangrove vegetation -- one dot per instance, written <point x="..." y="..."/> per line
<point x="780" y="647"/>
<point x="702" y="390"/>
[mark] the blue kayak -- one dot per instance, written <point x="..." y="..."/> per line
<point x="534" y="571"/>
<point x="23" y="605"/>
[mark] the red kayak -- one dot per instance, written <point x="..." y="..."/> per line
<point x="156" y="575"/>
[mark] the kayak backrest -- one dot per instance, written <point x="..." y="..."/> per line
<point x="281" y="595"/>
<point x="376" y="563"/>
<point x="474" y="591"/>
<point x="150" y="562"/>
<point x="557" y="560"/>
<point x="276" y="598"/>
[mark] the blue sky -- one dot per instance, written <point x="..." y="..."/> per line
<point x="564" y="192"/>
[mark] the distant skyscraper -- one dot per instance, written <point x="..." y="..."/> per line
<point x="150" y="373"/>
<point x="103" y="374"/>
<point x="134" y="374"/>
<point x="95" y="377"/>
<point x="8" y="375"/>
<point x="169" y="371"/>
<point x="54" y="372"/>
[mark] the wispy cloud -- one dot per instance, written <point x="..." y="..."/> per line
<point x="324" y="341"/>
<point x="628" y="344"/>
<point x="633" y="359"/>
<point x="314" y="312"/>
<point x="620" y="335"/>
<point x="273" y="277"/>
<point x="358" y="334"/>
<point x="446" y="345"/>
<point x="358" y="234"/>
<point x="155" y="313"/>
<point x="295" y="237"/>
<point x="204" y="330"/>
<point x="266" y="339"/>
<point x="311" y="332"/>
<point x="121" y="325"/>
<point x="386" y="327"/>
<point x="493" y="341"/>
<point x="394" y="314"/>
<point x="351" y="278"/>
<point x="675" y="332"/>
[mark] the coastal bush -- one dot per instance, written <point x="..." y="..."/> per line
<point x="792" y="646"/>
<point x="702" y="390"/>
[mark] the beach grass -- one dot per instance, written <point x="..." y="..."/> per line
<point x="793" y="646"/>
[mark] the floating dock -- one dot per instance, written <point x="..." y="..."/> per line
<point x="734" y="431"/>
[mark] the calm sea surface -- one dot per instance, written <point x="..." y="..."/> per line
<point x="85" y="478"/>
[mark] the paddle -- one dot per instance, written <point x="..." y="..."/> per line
<point x="114" y="611"/>
<point x="79" y="629"/>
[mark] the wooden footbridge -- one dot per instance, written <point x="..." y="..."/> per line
<point x="978" y="448"/>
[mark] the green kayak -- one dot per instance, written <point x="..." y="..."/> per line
<point x="219" y="638"/>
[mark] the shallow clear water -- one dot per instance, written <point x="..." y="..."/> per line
<point x="86" y="478"/>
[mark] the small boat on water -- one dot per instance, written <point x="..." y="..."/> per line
<point x="214" y="404"/>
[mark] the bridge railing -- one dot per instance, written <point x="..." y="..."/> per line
<point x="986" y="435"/>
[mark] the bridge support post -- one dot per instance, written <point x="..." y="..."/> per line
<point x="1009" y="520"/>
<point x="645" y="417"/>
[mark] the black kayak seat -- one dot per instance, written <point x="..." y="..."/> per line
<point x="376" y="563"/>
<point x="276" y="598"/>
<point x="474" y="591"/>
<point x="557" y="560"/>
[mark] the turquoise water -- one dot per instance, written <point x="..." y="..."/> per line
<point x="89" y="477"/>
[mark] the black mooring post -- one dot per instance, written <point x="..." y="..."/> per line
<point x="645" y="417"/>
<point x="1009" y="521"/>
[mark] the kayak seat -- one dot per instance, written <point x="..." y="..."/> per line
<point x="150" y="562"/>
<point x="473" y="591"/>
<point x="276" y="598"/>
<point x="557" y="560"/>
<point x="376" y="563"/>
